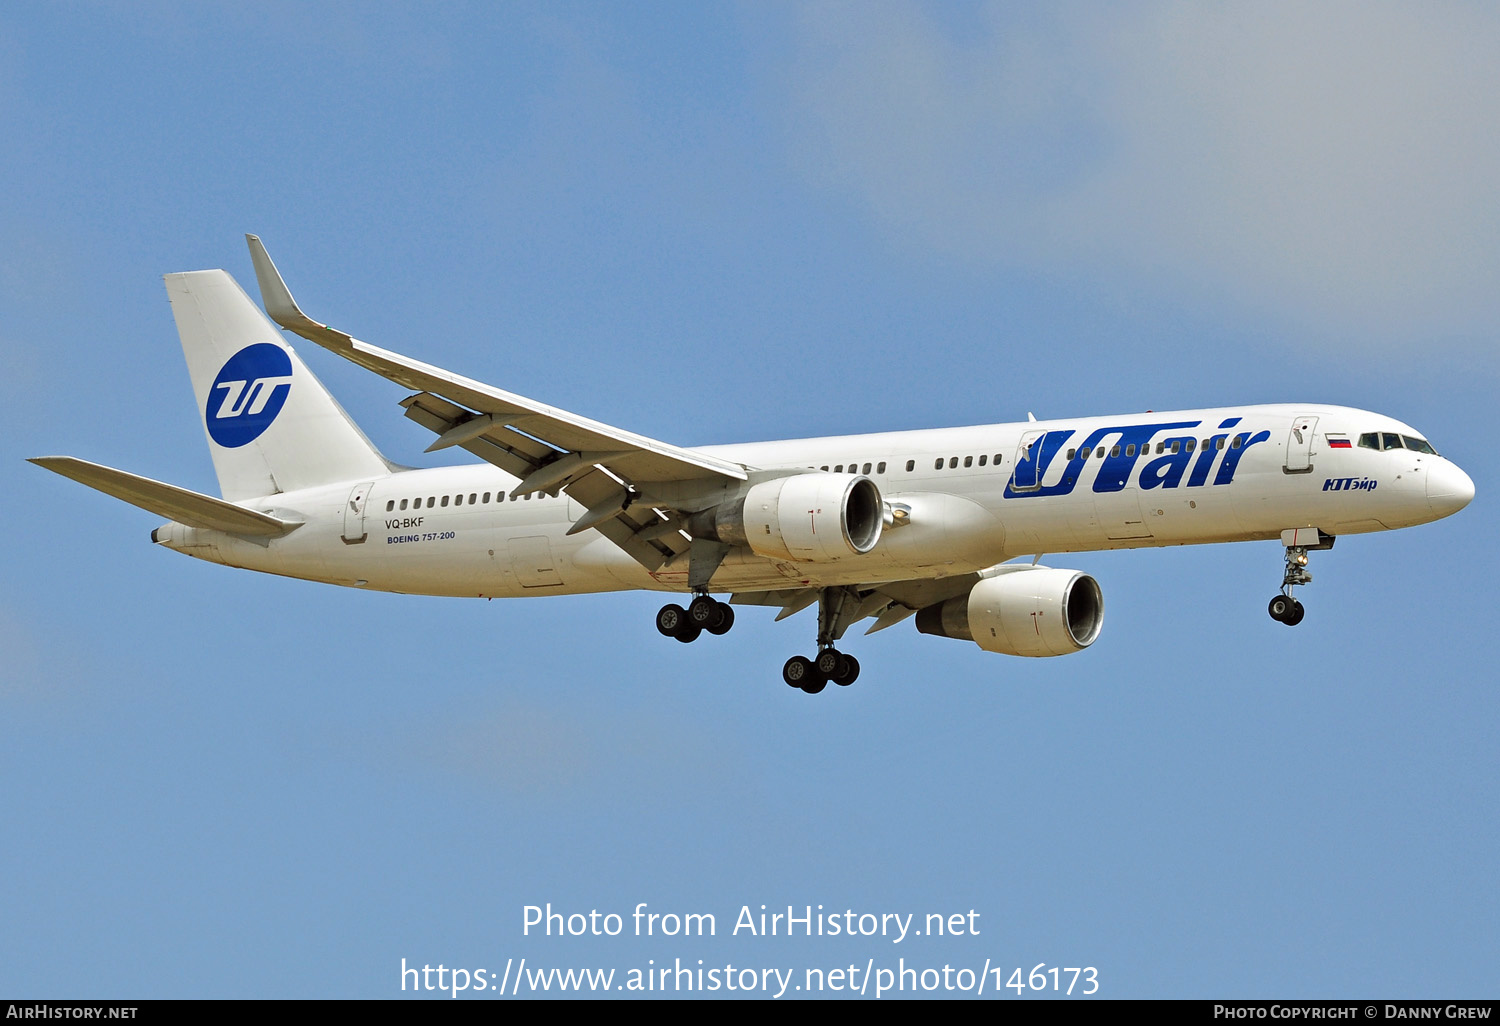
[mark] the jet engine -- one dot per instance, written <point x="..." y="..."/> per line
<point x="814" y="518"/>
<point x="1036" y="611"/>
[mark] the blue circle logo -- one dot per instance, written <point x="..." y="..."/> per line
<point x="247" y="395"/>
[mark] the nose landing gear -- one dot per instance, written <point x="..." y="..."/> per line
<point x="1287" y="610"/>
<point x="1298" y="542"/>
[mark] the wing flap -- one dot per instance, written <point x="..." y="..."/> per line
<point x="185" y="507"/>
<point x="647" y="536"/>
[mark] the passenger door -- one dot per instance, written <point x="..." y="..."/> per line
<point x="1026" y="478"/>
<point x="354" y="514"/>
<point x="1299" y="446"/>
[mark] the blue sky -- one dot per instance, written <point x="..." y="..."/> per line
<point x="711" y="223"/>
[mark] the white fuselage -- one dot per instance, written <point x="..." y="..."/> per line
<point x="975" y="498"/>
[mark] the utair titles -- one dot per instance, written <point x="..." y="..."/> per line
<point x="805" y="921"/>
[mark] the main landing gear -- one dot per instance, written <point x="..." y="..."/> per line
<point x="704" y="613"/>
<point x="813" y="675"/>
<point x="1284" y="608"/>
<point x="837" y="609"/>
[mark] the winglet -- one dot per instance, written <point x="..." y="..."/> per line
<point x="280" y="305"/>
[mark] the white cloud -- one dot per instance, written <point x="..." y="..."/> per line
<point x="1330" y="163"/>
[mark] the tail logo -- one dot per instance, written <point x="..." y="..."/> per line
<point x="249" y="392"/>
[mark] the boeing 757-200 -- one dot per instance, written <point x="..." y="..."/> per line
<point x="880" y="526"/>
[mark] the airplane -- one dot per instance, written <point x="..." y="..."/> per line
<point x="930" y="524"/>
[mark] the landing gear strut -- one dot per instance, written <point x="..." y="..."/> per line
<point x="704" y="613"/>
<point x="1284" y="608"/>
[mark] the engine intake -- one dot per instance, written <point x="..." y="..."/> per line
<point x="1037" y="611"/>
<point x="814" y="518"/>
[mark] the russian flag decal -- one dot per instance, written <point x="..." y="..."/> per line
<point x="1338" y="441"/>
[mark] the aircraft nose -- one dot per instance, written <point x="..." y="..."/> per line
<point x="1449" y="489"/>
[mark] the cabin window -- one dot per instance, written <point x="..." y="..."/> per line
<point x="1176" y="447"/>
<point x="997" y="459"/>
<point x="839" y="469"/>
<point x="866" y="470"/>
<point x="938" y="464"/>
<point x="1072" y="453"/>
<point x="458" y="500"/>
<point x="880" y="467"/>
<point x="445" y="501"/>
<point x="825" y="466"/>
<point x="953" y="463"/>
<point x="403" y="503"/>
<point x="473" y="497"/>
<point x="390" y="505"/>
<point x="1130" y="449"/>
<point x="984" y="459"/>
<point x="968" y="461"/>
<point x="1238" y="441"/>
<point x="1219" y="442"/>
<point x="431" y="501"/>
<point x="486" y="498"/>
<point x="911" y="465"/>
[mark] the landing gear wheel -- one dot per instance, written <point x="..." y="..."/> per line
<point x="1282" y="607"/>
<point x="688" y="634"/>
<point x="704" y="612"/>
<point x="798" y="671"/>
<point x="1295" y="616"/>
<point x="670" y="619"/>
<point x="726" y="620"/>
<point x="818" y="683"/>
<point x="830" y="662"/>
<point x="849" y="672"/>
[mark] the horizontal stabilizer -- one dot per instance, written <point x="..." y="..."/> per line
<point x="185" y="507"/>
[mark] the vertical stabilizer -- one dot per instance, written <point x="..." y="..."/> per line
<point x="272" y="427"/>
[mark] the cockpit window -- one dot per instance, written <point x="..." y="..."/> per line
<point x="1418" y="445"/>
<point x="1390" y="441"/>
<point x="1370" y="441"/>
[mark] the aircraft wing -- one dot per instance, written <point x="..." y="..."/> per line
<point x="185" y="507"/>
<point x="889" y="603"/>
<point x="605" y="469"/>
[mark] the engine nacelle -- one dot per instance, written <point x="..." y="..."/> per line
<point x="813" y="518"/>
<point x="1033" y="612"/>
